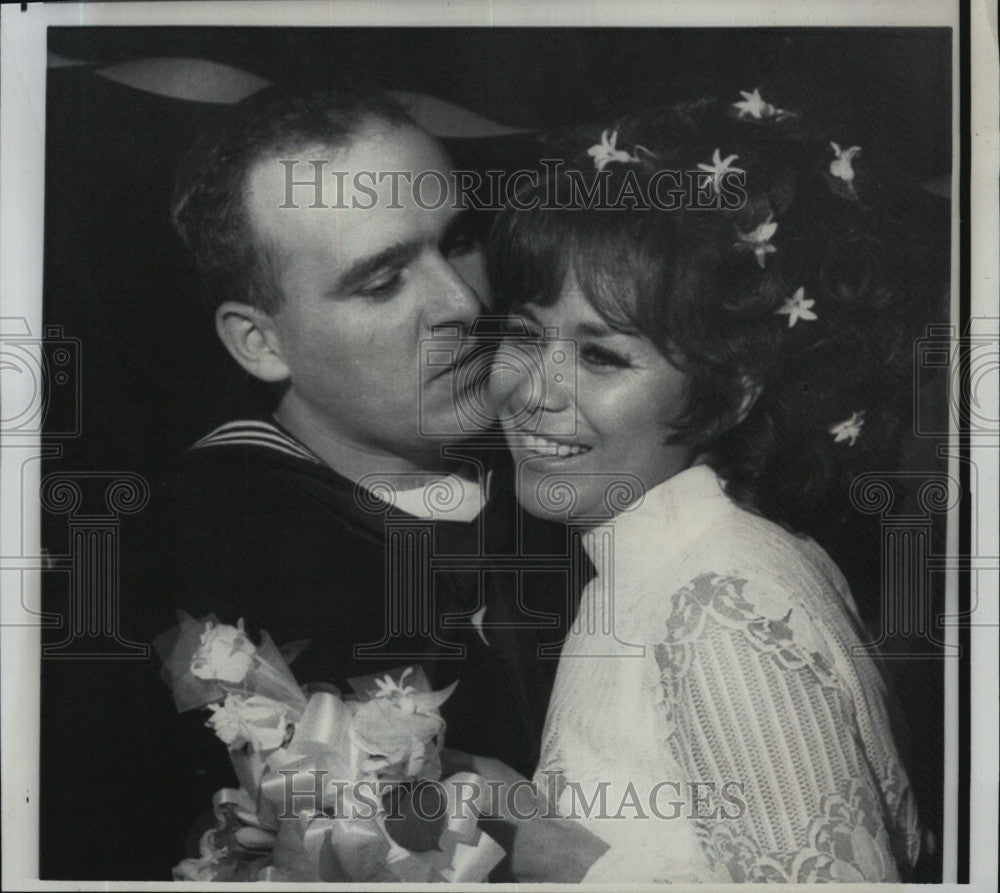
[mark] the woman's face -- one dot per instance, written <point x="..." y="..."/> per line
<point x="587" y="432"/>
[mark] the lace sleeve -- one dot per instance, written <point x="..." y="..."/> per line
<point x="800" y="778"/>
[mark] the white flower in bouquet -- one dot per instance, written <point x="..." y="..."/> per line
<point x="211" y="866"/>
<point x="226" y="654"/>
<point x="271" y="725"/>
<point x="258" y="721"/>
<point x="393" y="728"/>
<point x="225" y="722"/>
<point x="199" y="871"/>
<point x="397" y="724"/>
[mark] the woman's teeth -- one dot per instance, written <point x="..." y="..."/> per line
<point x="546" y="447"/>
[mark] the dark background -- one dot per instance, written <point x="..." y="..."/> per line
<point x="154" y="377"/>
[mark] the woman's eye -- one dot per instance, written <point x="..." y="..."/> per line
<point x="602" y="357"/>
<point x="384" y="286"/>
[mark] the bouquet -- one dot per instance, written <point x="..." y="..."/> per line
<point x="323" y="777"/>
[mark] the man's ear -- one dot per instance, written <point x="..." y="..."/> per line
<point x="249" y="336"/>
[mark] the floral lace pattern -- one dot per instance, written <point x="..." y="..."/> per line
<point x="719" y="598"/>
<point x="864" y="822"/>
<point x="844" y="844"/>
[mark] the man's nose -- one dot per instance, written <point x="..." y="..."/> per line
<point x="454" y="299"/>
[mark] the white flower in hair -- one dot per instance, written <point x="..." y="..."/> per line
<point x="759" y="240"/>
<point x="797" y="307"/>
<point x="607" y="151"/>
<point x="841" y="166"/>
<point x="720" y="166"/>
<point x="849" y="429"/>
<point x="753" y="105"/>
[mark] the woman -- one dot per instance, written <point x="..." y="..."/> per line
<point x="741" y="333"/>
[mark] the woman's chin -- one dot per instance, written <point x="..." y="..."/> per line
<point x="534" y="506"/>
<point x="553" y="495"/>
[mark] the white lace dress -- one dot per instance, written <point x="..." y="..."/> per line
<point x="709" y="720"/>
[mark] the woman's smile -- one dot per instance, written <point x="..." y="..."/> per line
<point x="610" y="419"/>
<point x="537" y="446"/>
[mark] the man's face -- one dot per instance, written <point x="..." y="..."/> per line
<point x="363" y="288"/>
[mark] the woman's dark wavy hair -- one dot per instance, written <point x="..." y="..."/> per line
<point x="678" y="278"/>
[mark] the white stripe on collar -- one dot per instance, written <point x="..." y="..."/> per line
<point x="257" y="433"/>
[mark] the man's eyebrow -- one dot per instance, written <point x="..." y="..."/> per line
<point x="398" y="255"/>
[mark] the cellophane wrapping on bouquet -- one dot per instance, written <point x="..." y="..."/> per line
<point x="322" y="775"/>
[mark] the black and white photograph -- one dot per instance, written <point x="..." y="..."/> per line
<point x="478" y="444"/>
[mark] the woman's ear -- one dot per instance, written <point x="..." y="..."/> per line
<point x="249" y="336"/>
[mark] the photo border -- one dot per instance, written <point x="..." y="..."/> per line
<point x="971" y="735"/>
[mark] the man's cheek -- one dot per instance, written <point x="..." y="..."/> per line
<point x="472" y="268"/>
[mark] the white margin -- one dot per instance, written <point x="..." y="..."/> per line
<point x="22" y="125"/>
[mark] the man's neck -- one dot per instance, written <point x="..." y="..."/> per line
<point x="354" y="461"/>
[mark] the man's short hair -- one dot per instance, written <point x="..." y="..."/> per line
<point x="208" y="207"/>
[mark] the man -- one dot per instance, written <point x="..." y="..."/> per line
<point x="321" y="522"/>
